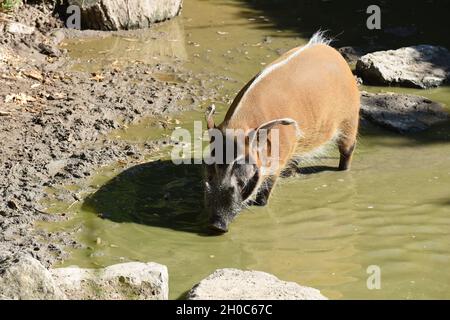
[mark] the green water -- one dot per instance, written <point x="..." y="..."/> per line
<point x="321" y="229"/>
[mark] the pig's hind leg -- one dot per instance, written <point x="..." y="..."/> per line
<point x="347" y="142"/>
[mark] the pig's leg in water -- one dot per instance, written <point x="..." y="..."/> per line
<point x="263" y="194"/>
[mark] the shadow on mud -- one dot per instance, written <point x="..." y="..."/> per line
<point x="158" y="193"/>
<point x="316" y="169"/>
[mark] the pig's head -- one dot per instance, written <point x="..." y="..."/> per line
<point x="235" y="169"/>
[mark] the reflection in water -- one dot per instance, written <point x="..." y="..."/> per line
<point x="167" y="43"/>
<point x="322" y="228"/>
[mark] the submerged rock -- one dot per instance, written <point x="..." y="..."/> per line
<point x="123" y="14"/>
<point x="402" y="113"/>
<point x="25" y="278"/>
<point x="234" y="284"/>
<point x="422" y="66"/>
<point x="124" y="281"/>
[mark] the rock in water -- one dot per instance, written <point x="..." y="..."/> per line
<point x="25" y="278"/>
<point x="351" y="54"/>
<point x="402" y="113"/>
<point x="124" y="14"/>
<point x="124" y="281"/>
<point x="422" y="66"/>
<point x="234" y="284"/>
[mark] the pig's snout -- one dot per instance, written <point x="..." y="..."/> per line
<point x="218" y="224"/>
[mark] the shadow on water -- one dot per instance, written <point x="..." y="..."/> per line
<point x="402" y="22"/>
<point x="316" y="169"/>
<point x="158" y="193"/>
<point x="436" y="134"/>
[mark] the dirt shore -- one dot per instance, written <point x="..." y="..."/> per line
<point x="54" y="123"/>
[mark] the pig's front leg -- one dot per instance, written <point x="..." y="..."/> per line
<point x="263" y="194"/>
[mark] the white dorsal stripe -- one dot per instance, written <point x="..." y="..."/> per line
<point x="317" y="38"/>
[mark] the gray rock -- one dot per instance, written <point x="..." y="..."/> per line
<point x="132" y="280"/>
<point x="351" y="54"/>
<point x="25" y="278"/>
<point x="19" y="28"/>
<point x="234" y="284"/>
<point x="422" y="66"/>
<point x="49" y="50"/>
<point x="123" y="14"/>
<point x="402" y="113"/>
<point x="57" y="36"/>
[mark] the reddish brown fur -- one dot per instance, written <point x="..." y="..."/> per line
<point x="317" y="89"/>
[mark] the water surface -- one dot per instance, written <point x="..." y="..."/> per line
<point x="322" y="228"/>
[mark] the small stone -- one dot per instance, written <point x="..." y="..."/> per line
<point x="19" y="28"/>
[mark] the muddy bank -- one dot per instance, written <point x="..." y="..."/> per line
<point x="54" y="126"/>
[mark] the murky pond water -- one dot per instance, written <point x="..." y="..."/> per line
<point x="322" y="229"/>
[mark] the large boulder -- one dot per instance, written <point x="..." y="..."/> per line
<point x="124" y="281"/>
<point x="124" y="14"/>
<point x="402" y="113"/>
<point x="422" y="66"/>
<point x="25" y="278"/>
<point x="234" y="284"/>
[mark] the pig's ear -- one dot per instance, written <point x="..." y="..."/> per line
<point x="267" y="126"/>
<point x="209" y="116"/>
